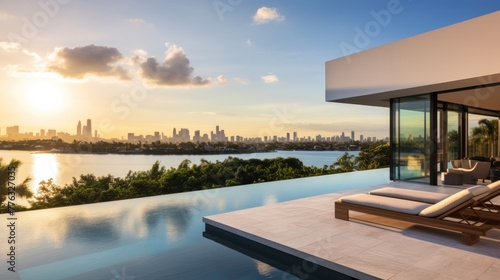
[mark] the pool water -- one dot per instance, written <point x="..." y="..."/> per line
<point x="157" y="237"/>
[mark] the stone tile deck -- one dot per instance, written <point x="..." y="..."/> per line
<point x="366" y="247"/>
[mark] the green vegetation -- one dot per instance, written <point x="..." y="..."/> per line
<point x="167" y="148"/>
<point x="484" y="138"/>
<point x="9" y="187"/>
<point x="190" y="177"/>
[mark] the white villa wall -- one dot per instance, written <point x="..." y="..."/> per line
<point x="456" y="56"/>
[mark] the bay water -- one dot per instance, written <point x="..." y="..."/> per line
<point x="63" y="167"/>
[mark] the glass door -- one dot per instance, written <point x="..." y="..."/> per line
<point x="449" y="139"/>
<point x="411" y="138"/>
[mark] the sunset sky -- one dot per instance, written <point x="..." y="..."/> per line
<point x="252" y="67"/>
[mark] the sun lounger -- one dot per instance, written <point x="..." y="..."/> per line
<point x="439" y="215"/>
<point x="483" y="206"/>
<point x="422" y="196"/>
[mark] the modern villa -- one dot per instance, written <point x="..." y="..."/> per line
<point x="435" y="85"/>
<point x="438" y="85"/>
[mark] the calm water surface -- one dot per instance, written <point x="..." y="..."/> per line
<point x="155" y="237"/>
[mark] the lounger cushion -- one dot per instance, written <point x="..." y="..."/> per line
<point x="495" y="186"/>
<point x="479" y="190"/>
<point x="386" y="203"/>
<point x="452" y="201"/>
<point x="422" y="196"/>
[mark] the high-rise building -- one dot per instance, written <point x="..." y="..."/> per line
<point x="51" y="133"/>
<point x="352" y="135"/>
<point x="218" y="136"/>
<point x="205" y="138"/>
<point x="12" y="131"/>
<point x="295" y="136"/>
<point x="288" y="137"/>
<point x="174" y="133"/>
<point x="79" y="129"/>
<point x="197" y="136"/>
<point x="89" y="128"/>
<point x="131" y="136"/>
<point x="42" y="133"/>
<point x="184" y="135"/>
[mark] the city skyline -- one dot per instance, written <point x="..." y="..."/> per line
<point x="253" y="67"/>
<point x="83" y="133"/>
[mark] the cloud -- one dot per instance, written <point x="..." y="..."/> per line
<point x="269" y="79"/>
<point x="18" y="60"/>
<point x="93" y="60"/>
<point x="241" y="81"/>
<point x="10" y="46"/>
<point x="249" y="42"/>
<point x="221" y="80"/>
<point x="265" y="15"/>
<point x="136" y="21"/>
<point x="174" y="70"/>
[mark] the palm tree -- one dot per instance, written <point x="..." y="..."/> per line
<point x="6" y="176"/>
<point x="486" y="131"/>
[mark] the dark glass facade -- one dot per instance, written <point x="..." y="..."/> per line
<point x="413" y="139"/>
<point x="427" y="134"/>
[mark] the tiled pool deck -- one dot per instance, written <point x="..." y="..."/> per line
<point x="366" y="247"/>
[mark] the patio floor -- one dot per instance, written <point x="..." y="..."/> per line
<point x="366" y="247"/>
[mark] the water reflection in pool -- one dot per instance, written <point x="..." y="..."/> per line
<point x="156" y="237"/>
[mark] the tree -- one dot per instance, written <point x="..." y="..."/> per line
<point x="345" y="163"/>
<point x="373" y="157"/>
<point x="487" y="131"/>
<point x="7" y="174"/>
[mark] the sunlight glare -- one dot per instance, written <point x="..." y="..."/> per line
<point x="45" y="166"/>
<point x="44" y="96"/>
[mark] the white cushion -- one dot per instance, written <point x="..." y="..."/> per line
<point x="422" y="196"/>
<point x="386" y="203"/>
<point x="447" y="204"/>
<point x="478" y="190"/>
<point x="495" y="186"/>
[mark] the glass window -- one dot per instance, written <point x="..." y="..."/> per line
<point x="411" y="138"/>
<point x="482" y="136"/>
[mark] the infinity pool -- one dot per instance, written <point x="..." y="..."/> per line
<point x="156" y="237"/>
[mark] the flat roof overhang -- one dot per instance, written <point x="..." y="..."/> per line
<point x="461" y="62"/>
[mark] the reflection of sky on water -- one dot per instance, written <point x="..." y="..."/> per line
<point x="45" y="166"/>
<point x="156" y="237"/>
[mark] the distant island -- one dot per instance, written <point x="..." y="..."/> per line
<point x="164" y="148"/>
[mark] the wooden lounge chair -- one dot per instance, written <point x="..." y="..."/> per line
<point x="484" y="208"/>
<point x="439" y="215"/>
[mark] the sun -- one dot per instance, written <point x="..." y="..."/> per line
<point x="44" y="97"/>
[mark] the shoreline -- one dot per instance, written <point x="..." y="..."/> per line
<point x="197" y="153"/>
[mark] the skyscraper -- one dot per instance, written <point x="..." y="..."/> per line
<point x="12" y="131"/>
<point x="89" y="128"/>
<point x="197" y="136"/>
<point x="184" y="135"/>
<point x="51" y="133"/>
<point x="352" y="135"/>
<point x="218" y="136"/>
<point x="79" y="129"/>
